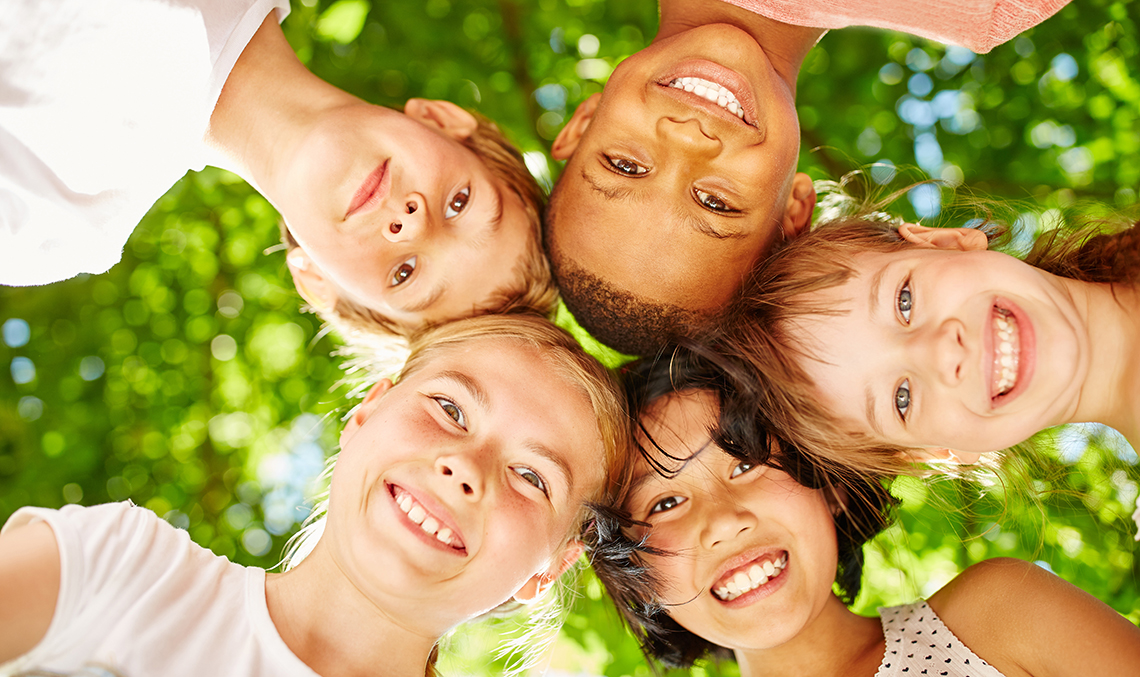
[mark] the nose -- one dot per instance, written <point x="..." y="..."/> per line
<point x="462" y="473"/>
<point x="724" y="521"/>
<point x="409" y="221"/>
<point x="945" y="352"/>
<point x="687" y="136"/>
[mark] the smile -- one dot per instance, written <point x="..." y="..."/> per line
<point x="428" y="523"/>
<point x="711" y="91"/>
<point x="748" y="578"/>
<point x="1007" y="351"/>
<point x="372" y="192"/>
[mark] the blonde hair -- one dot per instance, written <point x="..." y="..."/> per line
<point x="533" y="289"/>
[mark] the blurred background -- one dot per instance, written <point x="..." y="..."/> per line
<point x="188" y="380"/>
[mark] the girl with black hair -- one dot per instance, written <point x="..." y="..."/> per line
<point x="728" y="542"/>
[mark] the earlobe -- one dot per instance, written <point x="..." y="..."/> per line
<point x="537" y="585"/>
<point x="956" y="239"/>
<point x="444" y="116"/>
<point x="317" y="290"/>
<point x="567" y="140"/>
<point x="798" y="211"/>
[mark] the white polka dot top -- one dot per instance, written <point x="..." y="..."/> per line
<point x="920" y="645"/>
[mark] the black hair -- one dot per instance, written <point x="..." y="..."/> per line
<point x="742" y="431"/>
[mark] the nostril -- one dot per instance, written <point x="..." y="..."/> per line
<point x="411" y="207"/>
<point x="467" y="489"/>
<point x="446" y="471"/>
<point x="396" y="227"/>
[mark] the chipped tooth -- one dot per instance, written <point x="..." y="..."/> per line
<point x="417" y="514"/>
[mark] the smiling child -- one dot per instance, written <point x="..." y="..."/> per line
<point x="877" y="340"/>
<point x="399" y="220"/>
<point x="680" y="174"/>
<point x="453" y="493"/>
<point x="731" y="550"/>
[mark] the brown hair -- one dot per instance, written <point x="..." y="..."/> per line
<point x="533" y="289"/>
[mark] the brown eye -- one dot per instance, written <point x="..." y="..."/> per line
<point x="713" y="202"/>
<point x="627" y="167"/>
<point x="458" y="203"/>
<point x="403" y="272"/>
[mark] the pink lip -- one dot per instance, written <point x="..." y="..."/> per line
<point x="435" y="510"/>
<point x="726" y="77"/>
<point x="1027" y="357"/>
<point x="372" y="192"/>
<point x="746" y="559"/>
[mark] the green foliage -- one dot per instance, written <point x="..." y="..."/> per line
<point x="187" y="380"/>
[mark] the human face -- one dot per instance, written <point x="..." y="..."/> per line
<point x="722" y="520"/>
<point x="668" y="195"/>
<point x="454" y="490"/>
<point x="399" y="216"/>
<point x="915" y="358"/>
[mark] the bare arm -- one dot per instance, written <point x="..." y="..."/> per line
<point x="1024" y="620"/>
<point x="29" y="586"/>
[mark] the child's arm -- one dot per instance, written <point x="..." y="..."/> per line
<point x="29" y="586"/>
<point x="1024" y="620"/>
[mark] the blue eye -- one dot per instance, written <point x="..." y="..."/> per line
<point x="453" y="411"/>
<point x="742" y="467"/>
<point x="457" y="203"/>
<point x="531" y="477"/>
<point x="904" y="301"/>
<point x="666" y="504"/>
<point x="902" y="398"/>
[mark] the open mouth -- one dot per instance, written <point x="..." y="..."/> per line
<point x="747" y="578"/>
<point x="711" y="91"/>
<point x="428" y="523"/>
<point x="1007" y="351"/>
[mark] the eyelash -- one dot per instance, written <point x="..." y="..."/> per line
<point x="741" y="468"/>
<point x="902" y="399"/>
<point x="451" y="212"/>
<point x="704" y="198"/>
<point x="403" y="272"/>
<point x="615" y="163"/>
<point x="908" y="301"/>
<point x="522" y="471"/>
<point x="449" y="407"/>
<point x="660" y="507"/>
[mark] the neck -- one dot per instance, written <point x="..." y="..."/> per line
<point x="269" y="103"/>
<point x="785" y="45"/>
<point x="333" y="628"/>
<point x="1111" y="390"/>
<point x="835" y="643"/>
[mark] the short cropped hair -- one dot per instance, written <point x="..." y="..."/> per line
<point x="741" y="431"/>
<point x="533" y="289"/>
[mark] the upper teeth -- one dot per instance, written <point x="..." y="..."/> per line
<point x="746" y="581"/>
<point x="1006" y="351"/>
<point x="712" y="92"/>
<point x="420" y="516"/>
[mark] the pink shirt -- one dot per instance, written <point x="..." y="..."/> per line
<point x="979" y="25"/>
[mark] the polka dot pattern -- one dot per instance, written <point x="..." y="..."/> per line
<point x="919" y="644"/>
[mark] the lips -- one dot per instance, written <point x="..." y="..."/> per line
<point x="372" y="192"/>
<point x="1011" y="343"/>
<point x="751" y="575"/>
<point x="714" y="84"/>
<point x="429" y="524"/>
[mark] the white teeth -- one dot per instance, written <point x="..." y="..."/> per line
<point x="444" y="535"/>
<point x="417" y="514"/>
<point x="1006" y="351"/>
<point x="711" y="91"/>
<point x="429" y="524"/>
<point x="742" y="582"/>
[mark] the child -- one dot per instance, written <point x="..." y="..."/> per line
<point x="877" y="340"/>
<point x="734" y="553"/>
<point x="400" y="220"/>
<point x="452" y="494"/>
<point x="680" y="174"/>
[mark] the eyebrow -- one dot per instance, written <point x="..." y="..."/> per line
<point x="876" y="285"/>
<point x="469" y="384"/>
<point x="428" y="301"/>
<point x="872" y="416"/>
<point x="704" y="227"/>
<point x="497" y="207"/>
<point x="608" y="193"/>
<point x="555" y="458"/>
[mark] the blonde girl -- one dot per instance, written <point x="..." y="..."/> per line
<point x="453" y="493"/>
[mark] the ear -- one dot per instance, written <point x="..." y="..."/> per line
<point x="567" y="140"/>
<point x="798" y="210"/>
<point x="960" y="239"/>
<point x="836" y="499"/>
<point x="364" y="410"/>
<point x="443" y="116"/>
<point x="317" y="290"/>
<point x="536" y="587"/>
<point x="943" y="455"/>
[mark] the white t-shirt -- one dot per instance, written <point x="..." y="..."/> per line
<point x="138" y="597"/>
<point x="103" y="106"/>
